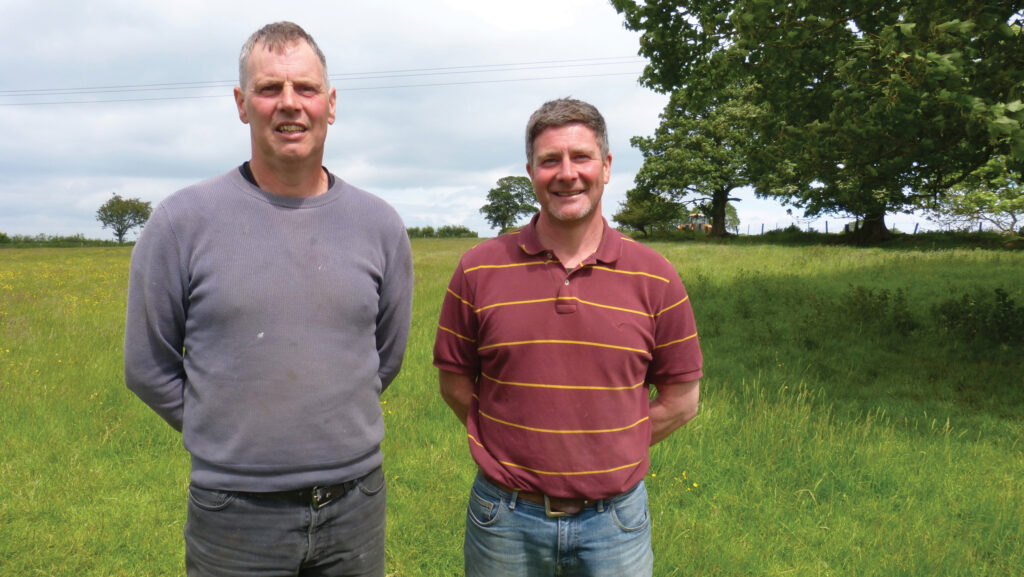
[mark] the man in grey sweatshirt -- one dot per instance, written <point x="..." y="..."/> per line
<point x="268" y="308"/>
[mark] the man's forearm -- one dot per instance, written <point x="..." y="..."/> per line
<point x="674" y="406"/>
<point x="457" y="391"/>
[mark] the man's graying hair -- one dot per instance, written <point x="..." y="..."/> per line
<point x="275" y="37"/>
<point x="561" y="112"/>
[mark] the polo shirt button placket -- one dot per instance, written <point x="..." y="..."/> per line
<point x="566" y="303"/>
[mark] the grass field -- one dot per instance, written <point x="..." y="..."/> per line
<point x="862" y="414"/>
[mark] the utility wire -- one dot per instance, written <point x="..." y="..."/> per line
<point x="344" y="81"/>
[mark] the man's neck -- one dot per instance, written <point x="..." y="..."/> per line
<point x="306" y="180"/>
<point x="572" y="243"/>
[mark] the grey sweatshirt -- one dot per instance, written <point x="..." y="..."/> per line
<point x="264" y="328"/>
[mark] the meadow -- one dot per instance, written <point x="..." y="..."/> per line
<point x="862" y="414"/>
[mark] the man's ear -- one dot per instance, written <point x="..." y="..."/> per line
<point x="332" y="100"/>
<point x="240" y="103"/>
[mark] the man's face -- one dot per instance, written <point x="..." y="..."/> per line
<point x="568" y="173"/>
<point x="286" y="104"/>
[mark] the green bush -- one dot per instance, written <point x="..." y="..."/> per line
<point x="455" y="231"/>
<point x="886" y="310"/>
<point x="51" y="241"/>
<point x="418" y="232"/>
<point x="446" y="231"/>
<point x="984" y="317"/>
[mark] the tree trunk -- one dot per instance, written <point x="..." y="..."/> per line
<point x="719" y="199"/>
<point x="873" y="229"/>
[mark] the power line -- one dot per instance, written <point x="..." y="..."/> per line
<point x="350" y="89"/>
<point x="344" y="81"/>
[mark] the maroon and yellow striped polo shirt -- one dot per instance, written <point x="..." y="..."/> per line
<point x="564" y="359"/>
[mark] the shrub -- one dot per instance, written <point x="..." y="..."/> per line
<point x="991" y="318"/>
<point x="884" y="309"/>
<point x="455" y="231"/>
<point x="446" y="231"/>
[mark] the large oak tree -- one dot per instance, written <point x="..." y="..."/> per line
<point x="870" y="106"/>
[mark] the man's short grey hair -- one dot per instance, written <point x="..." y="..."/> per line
<point x="275" y="37"/>
<point x="562" y="112"/>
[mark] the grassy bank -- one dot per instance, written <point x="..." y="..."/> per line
<point x="861" y="415"/>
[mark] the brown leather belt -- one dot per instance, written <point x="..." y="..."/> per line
<point x="553" y="506"/>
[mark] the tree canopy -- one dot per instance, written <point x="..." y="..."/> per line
<point x="993" y="194"/>
<point x="869" y="107"/>
<point x="647" y="211"/>
<point x="512" y="198"/>
<point x="123" y="214"/>
<point x="695" y="155"/>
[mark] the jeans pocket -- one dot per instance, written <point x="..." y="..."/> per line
<point x="630" y="513"/>
<point x="482" y="510"/>
<point x="372" y="483"/>
<point x="209" y="499"/>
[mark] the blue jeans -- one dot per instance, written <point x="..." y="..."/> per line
<point x="508" y="537"/>
<point x="236" y="534"/>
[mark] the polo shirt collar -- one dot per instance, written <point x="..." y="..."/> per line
<point x="607" y="252"/>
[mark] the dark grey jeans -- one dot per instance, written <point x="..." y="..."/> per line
<point x="230" y="534"/>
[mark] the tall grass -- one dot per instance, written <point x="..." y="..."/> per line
<point x="855" y="420"/>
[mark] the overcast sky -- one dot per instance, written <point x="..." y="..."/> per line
<point x="135" y="97"/>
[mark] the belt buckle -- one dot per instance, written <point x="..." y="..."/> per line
<point x="323" y="496"/>
<point x="549" y="512"/>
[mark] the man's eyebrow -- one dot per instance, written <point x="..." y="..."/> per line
<point x="572" y="151"/>
<point x="294" y="82"/>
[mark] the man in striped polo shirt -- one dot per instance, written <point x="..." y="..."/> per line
<point x="548" y="342"/>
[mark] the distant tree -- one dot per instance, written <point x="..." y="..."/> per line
<point x="123" y="214"/>
<point x="732" y="218"/>
<point x="993" y="194"/>
<point x="696" y="155"/>
<point x="647" y="212"/>
<point x="511" y="199"/>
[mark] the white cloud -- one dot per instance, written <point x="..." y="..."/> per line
<point x="432" y="141"/>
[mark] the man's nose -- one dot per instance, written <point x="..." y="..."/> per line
<point x="287" y="99"/>
<point x="567" y="171"/>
